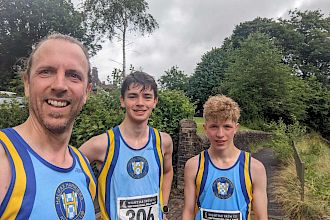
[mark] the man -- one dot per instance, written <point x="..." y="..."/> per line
<point x="223" y="182"/>
<point x="135" y="160"/>
<point x="41" y="176"/>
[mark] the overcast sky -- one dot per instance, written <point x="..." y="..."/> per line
<point x="190" y="28"/>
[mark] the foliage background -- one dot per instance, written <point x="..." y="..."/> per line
<point x="103" y="111"/>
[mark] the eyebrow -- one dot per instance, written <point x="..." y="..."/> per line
<point x="46" y="67"/>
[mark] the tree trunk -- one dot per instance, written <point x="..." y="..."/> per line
<point x="124" y="54"/>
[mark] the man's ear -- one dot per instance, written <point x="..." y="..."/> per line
<point x="156" y="101"/>
<point x="237" y="127"/>
<point x="122" y="104"/>
<point x="88" y="91"/>
<point x="26" y="81"/>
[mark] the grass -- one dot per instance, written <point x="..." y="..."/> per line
<point x="316" y="205"/>
<point x="200" y="121"/>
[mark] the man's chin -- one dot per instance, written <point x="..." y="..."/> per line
<point x="57" y="128"/>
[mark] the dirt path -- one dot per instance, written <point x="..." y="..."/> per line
<point x="267" y="157"/>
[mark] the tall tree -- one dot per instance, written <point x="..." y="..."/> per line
<point x="318" y="106"/>
<point x="208" y="75"/>
<point x="262" y="84"/>
<point x="314" y="49"/>
<point x="174" y="79"/>
<point x="24" y="22"/>
<point x="115" y="18"/>
<point x="304" y="39"/>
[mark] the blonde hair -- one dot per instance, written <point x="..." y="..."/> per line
<point x="221" y="107"/>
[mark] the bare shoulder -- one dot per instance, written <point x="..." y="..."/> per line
<point x="95" y="148"/>
<point x="192" y="165"/>
<point x="5" y="173"/>
<point x="166" y="138"/>
<point x="190" y="172"/>
<point x="259" y="185"/>
<point x="98" y="141"/>
<point x="167" y="143"/>
<point x="3" y="155"/>
<point x="256" y="165"/>
<point x="258" y="170"/>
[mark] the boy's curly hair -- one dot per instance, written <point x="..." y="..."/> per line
<point x="221" y="107"/>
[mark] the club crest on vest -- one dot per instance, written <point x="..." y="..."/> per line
<point x="69" y="202"/>
<point x="223" y="188"/>
<point x="137" y="167"/>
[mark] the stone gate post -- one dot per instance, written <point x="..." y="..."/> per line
<point x="189" y="146"/>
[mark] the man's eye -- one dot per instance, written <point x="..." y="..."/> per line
<point x="45" y="72"/>
<point x="75" y="75"/>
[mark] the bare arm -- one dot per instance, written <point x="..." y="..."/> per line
<point x="5" y="173"/>
<point x="95" y="149"/>
<point x="259" y="184"/>
<point x="190" y="172"/>
<point x="167" y="148"/>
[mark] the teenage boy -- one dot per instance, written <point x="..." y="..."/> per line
<point x="223" y="182"/>
<point x="135" y="160"/>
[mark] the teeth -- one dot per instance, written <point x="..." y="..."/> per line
<point x="57" y="103"/>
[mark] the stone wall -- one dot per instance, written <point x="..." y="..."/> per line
<point x="191" y="144"/>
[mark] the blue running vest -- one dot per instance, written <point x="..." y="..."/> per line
<point x="40" y="190"/>
<point x="223" y="193"/>
<point x="129" y="185"/>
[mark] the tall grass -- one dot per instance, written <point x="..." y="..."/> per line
<point x="283" y="135"/>
<point x="316" y="205"/>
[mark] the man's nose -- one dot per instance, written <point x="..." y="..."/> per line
<point x="220" y="132"/>
<point x="60" y="82"/>
<point x="139" y="100"/>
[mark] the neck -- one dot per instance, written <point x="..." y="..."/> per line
<point x="52" y="147"/>
<point x="134" y="130"/>
<point x="136" y="135"/>
<point x="224" y="158"/>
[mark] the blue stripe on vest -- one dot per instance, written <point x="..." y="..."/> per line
<point x="204" y="177"/>
<point x="5" y="201"/>
<point x="89" y="168"/>
<point x="155" y="150"/>
<point x="112" y="166"/>
<point x="248" y="210"/>
<point x="102" y="167"/>
<point x="242" y="177"/>
<point x="30" y="192"/>
<point x="199" y="164"/>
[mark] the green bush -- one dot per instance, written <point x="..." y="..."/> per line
<point x="172" y="106"/>
<point x="258" y="123"/>
<point x="101" y="112"/>
<point x="13" y="113"/>
<point x="318" y="114"/>
<point x="283" y="135"/>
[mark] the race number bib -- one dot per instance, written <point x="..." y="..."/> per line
<point x="138" y="208"/>
<point x="220" y="215"/>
